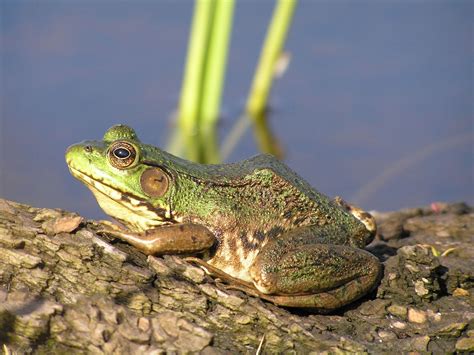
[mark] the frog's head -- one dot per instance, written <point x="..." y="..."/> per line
<point x="126" y="183"/>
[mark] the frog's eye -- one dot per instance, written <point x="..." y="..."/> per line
<point x="122" y="155"/>
<point x="154" y="182"/>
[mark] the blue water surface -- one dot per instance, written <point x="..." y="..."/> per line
<point x="376" y="105"/>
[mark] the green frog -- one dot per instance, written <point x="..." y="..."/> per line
<point x="255" y="224"/>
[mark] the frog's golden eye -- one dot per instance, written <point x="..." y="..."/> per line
<point x="122" y="155"/>
<point x="154" y="182"/>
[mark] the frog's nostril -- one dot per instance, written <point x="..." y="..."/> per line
<point x="88" y="149"/>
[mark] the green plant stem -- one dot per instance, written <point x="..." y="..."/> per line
<point x="275" y="38"/>
<point x="189" y="106"/>
<point x="213" y="79"/>
<point x="215" y="65"/>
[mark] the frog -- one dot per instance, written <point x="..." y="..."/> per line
<point x="254" y="224"/>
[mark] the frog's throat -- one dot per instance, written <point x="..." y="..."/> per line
<point x="136" y="214"/>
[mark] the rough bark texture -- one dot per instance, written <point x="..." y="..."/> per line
<point x="63" y="288"/>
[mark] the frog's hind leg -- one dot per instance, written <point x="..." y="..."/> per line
<point x="319" y="276"/>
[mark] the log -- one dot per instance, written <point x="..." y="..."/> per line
<point x="64" y="288"/>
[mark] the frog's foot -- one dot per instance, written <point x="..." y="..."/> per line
<point x="114" y="230"/>
<point x="366" y="218"/>
<point x="107" y="227"/>
<point x="111" y="229"/>
<point x="319" y="276"/>
<point x="233" y="283"/>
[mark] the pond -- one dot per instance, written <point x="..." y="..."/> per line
<point x="376" y="105"/>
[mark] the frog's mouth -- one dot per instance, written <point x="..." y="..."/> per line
<point x="135" y="213"/>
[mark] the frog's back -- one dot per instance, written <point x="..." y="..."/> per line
<point x="223" y="174"/>
<point x="276" y="176"/>
<point x="243" y="171"/>
<point x="261" y="199"/>
<point x="263" y="194"/>
<point x="260" y="193"/>
<point x="267" y="162"/>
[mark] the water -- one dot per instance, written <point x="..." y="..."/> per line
<point x="376" y="105"/>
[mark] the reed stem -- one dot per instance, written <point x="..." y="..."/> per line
<point x="275" y="38"/>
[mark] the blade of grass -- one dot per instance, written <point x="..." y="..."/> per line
<point x="257" y="102"/>
<point x="275" y="38"/>
<point x="190" y="100"/>
<point x="216" y="61"/>
<point x="213" y="79"/>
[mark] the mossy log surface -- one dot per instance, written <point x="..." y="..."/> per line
<point x="63" y="288"/>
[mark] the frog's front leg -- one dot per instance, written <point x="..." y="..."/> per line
<point x="319" y="276"/>
<point x="167" y="239"/>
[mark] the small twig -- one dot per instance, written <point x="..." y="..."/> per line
<point x="260" y="346"/>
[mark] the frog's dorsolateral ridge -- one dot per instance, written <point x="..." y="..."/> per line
<point x="254" y="223"/>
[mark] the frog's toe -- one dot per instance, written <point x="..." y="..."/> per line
<point x="366" y="218"/>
